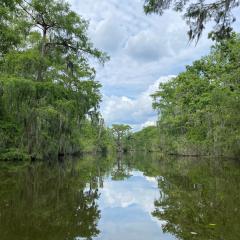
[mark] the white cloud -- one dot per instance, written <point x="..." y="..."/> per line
<point x="148" y="124"/>
<point x="136" y="112"/>
<point x="134" y="193"/>
<point x="142" y="49"/>
<point x="146" y="46"/>
<point x="109" y="34"/>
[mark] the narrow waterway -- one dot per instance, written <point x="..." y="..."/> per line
<point x="130" y="197"/>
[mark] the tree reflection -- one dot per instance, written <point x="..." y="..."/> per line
<point x="57" y="202"/>
<point x="199" y="199"/>
<point x="122" y="168"/>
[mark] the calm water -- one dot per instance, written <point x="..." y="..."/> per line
<point x="143" y="197"/>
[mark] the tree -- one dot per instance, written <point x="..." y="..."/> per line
<point x="58" y="40"/>
<point x="147" y="139"/>
<point x="9" y="36"/>
<point x="47" y="86"/>
<point x="199" y="108"/>
<point x="120" y="131"/>
<point x="198" y="13"/>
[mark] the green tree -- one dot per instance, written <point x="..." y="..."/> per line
<point x="120" y="131"/>
<point x="147" y="139"/>
<point x="56" y="43"/>
<point x="199" y="108"/>
<point x="47" y="87"/>
<point x="198" y="13"/>
<point x="9" y="37"/>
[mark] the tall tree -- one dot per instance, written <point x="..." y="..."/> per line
<point x="120" y="131"/>
<point x="9" y="31"/>
<point x="47" y="85"/>
<point x="56" y="37"/>
<point x="199" y="109"/>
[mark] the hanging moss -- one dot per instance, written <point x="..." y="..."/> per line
<point x="45" y="119"/>
<point x="47" y="86"/>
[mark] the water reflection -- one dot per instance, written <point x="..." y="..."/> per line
<point x="49" y="202"/>
<point x="121" y="170"/>
<point x="126" y="208"/>
<point x="122" y="197"/>
<point x="200" y="200"/>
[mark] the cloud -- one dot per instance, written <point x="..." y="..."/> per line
<point x="109" y="34"/>
<point x="136" y="112"/>
<point x="130" y="192"/>
<point x="146" y="46"/>
<point x="142" y="49"/>
<point x="148" y="124"/>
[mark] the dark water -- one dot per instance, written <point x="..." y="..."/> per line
<point x="141" y="197"/>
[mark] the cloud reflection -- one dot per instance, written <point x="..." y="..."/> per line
<point x="126" y="208"/>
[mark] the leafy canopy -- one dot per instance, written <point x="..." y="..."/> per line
<point x="198" y="13"/>
<point x="199" y="109"/>
<point x="47" y="86"/>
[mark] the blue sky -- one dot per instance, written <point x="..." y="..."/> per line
<point x="144" y="51"/>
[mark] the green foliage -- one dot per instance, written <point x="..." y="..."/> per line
<point x="198" y="13"/>
<point x="95" y="138"/>
<point x="121" y="132"/>
<point x="9" y="30"/>
<point x="14" y="155"/>
<point x="199" y="109"/>
<point x="53" y="42"/>
<point x="47" y="87"/>
<point x="146" y="140"/>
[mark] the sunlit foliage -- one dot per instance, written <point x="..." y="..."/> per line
<point x="47" y="89"/>
<point x="199" y="109"/>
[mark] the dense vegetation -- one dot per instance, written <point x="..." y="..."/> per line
<point x="49" y="108"/>
<point x="199" y="109"/>
<point x="48" y="96"/>
<point x="122" y="135"/>
<point x="145" y="140"/>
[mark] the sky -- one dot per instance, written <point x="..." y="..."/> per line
<point x="144" y="51"/>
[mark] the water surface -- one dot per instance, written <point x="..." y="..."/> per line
<point x="123" y="197"/>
